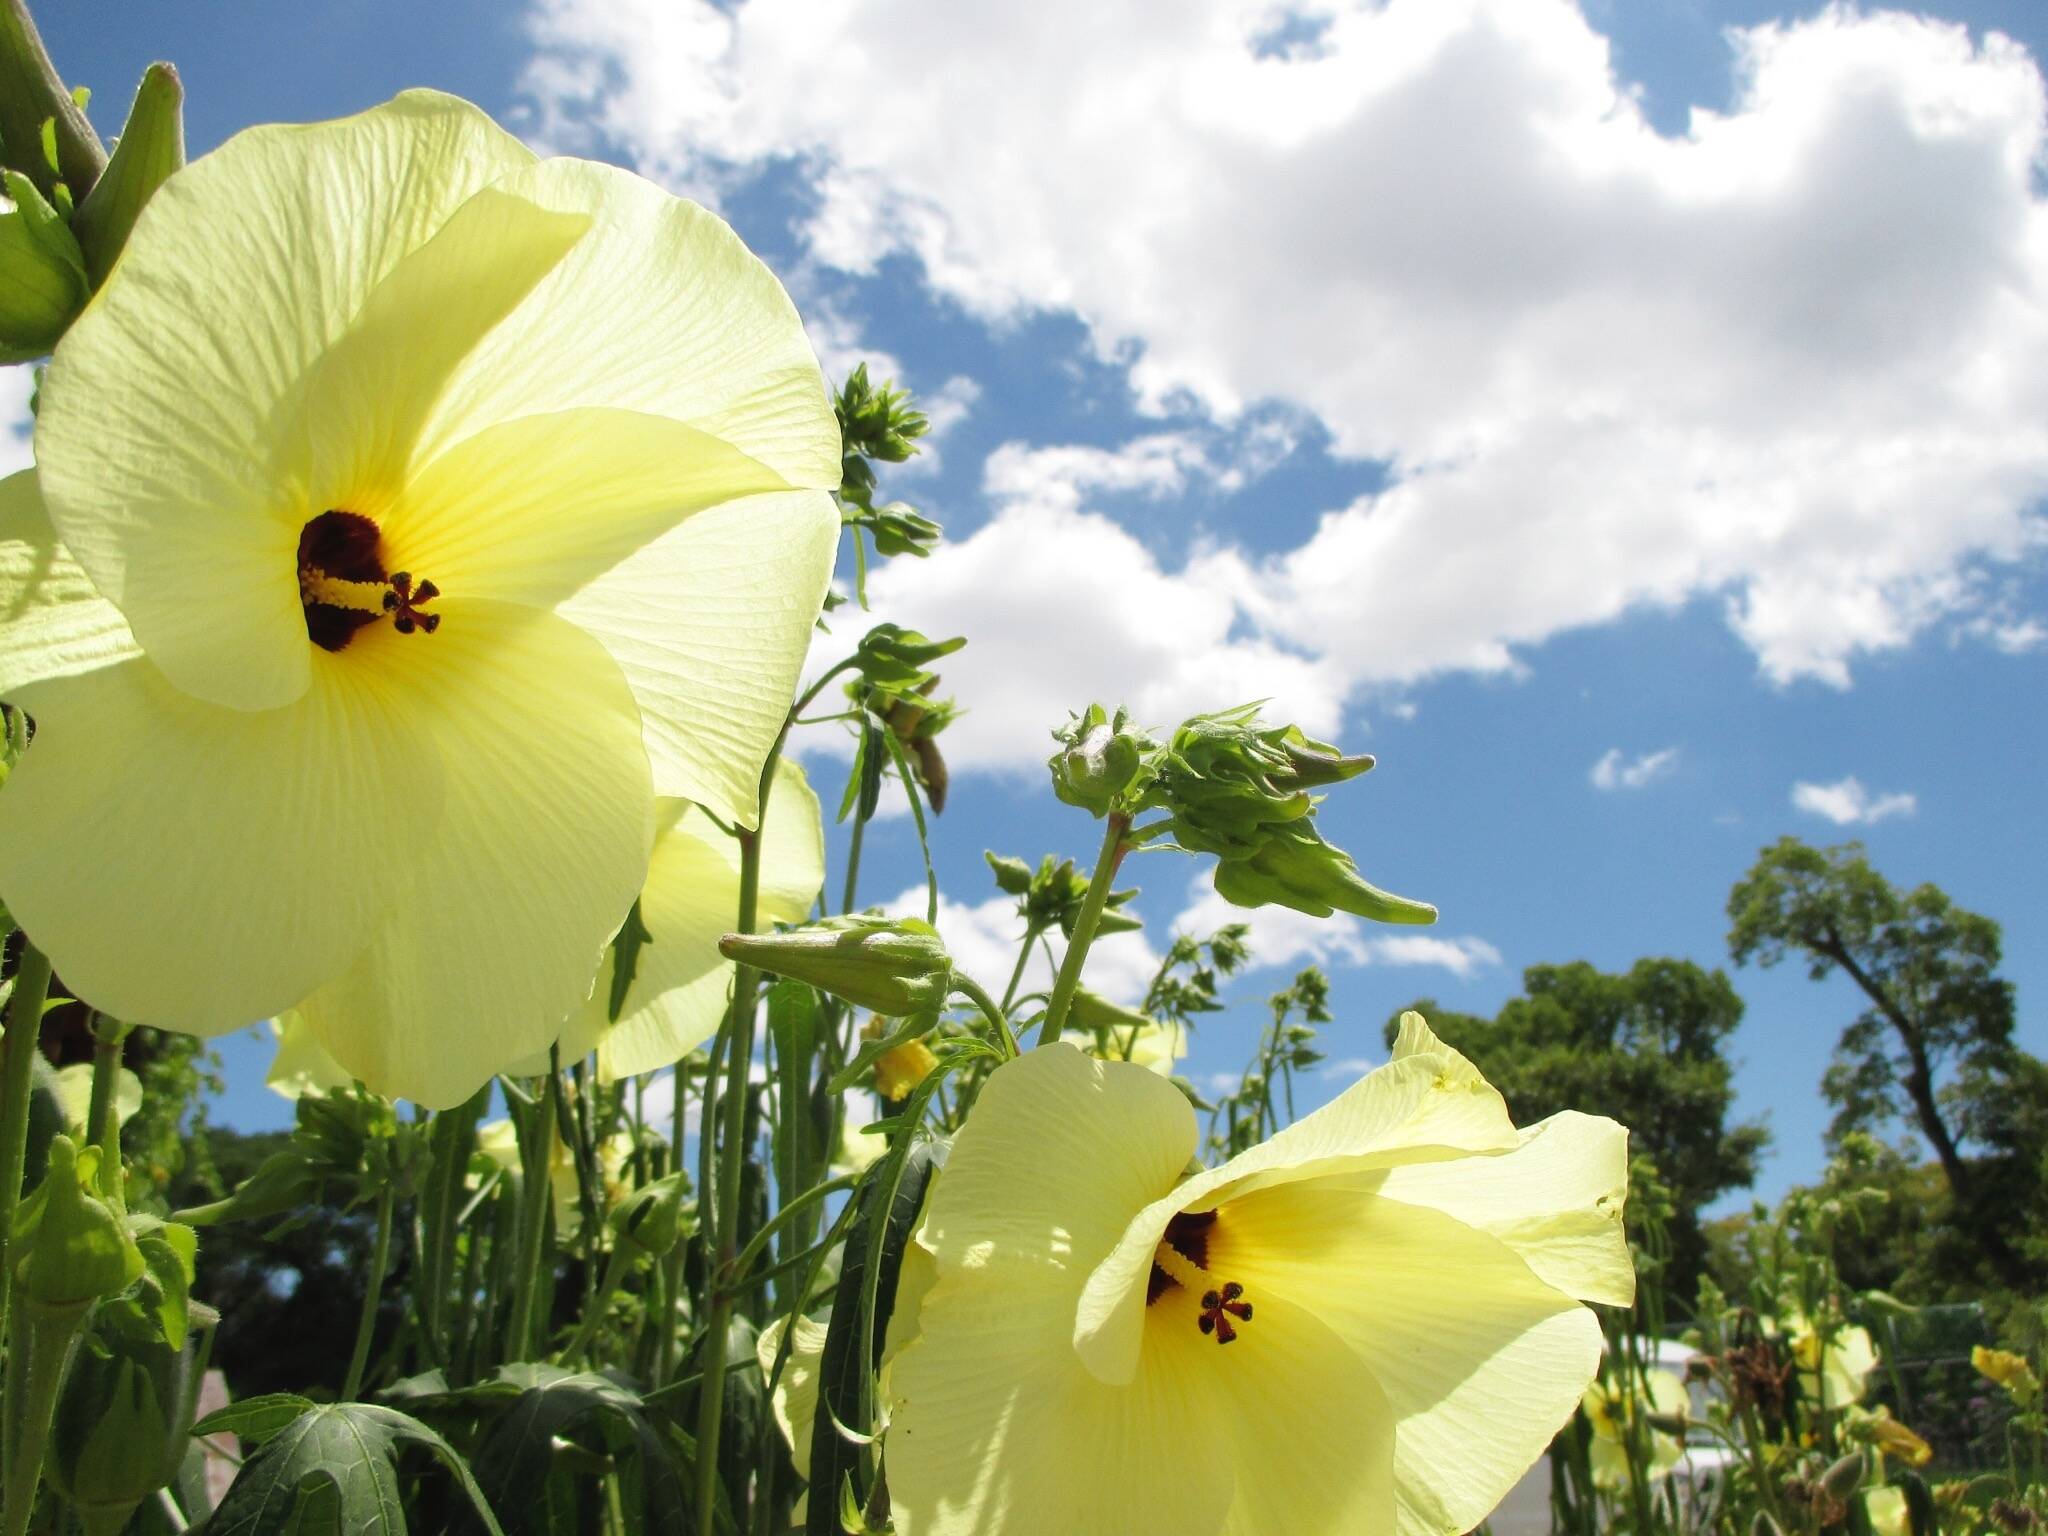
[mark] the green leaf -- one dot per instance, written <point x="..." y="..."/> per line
<point x="353" y="1448"/>
<point x="626" y="946"/>
<point x="255" y="1419"/>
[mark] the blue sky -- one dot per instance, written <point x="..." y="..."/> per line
<point x="1498" y="387"/>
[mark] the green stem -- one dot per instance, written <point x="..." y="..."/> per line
<point x="1031" y="933"/>
<point x="48" y="1352"/>
<point x="366" y="1323"/>
<point x="970" y="989"/>
<point x="17" y="1077"/>
<point x="536" y="1184"/>
<point x="593" y="1312"/>
<point x="853" y="842"/>
<point x="802" y="1202"/>
<point x="102" y="1119"/>
<point x="730" y="1166"/>
<point x="1069" y="979"/>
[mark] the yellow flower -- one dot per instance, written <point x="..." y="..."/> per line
<point x="1833" y="1372"/>
<point x="1878" y="1428"/>
<point x="498" y="1140"/>
<point x="680" y="983"/>
<point x="900" y="1069"/>
<point x="409" y="513"/>
<point x="1370" y="1322"/>
<point x="2009" y="1370"/>
<point x="1886" y="1508"/>
<point x="302" y="1065"/>
<point x="1610" y="1411"/>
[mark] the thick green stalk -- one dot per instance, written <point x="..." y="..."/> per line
<point x="1069" y="979"/>
<point x="18" y="1046"/>
<point x="729" y="1166"/>
<point x="102" y="1119"/>
<point x="45" y="1342"/>
<point x="536" y="1150"/>
<point x="366" y="1323"/>
<point x="853" y="842"/>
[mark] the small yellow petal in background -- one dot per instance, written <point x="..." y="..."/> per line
<point x="74" y="1092"/>
<point x="301" y="1065"/>
<point x="163" y="466"/>
<point x="496" y="922"/>
<point x="710" y="624"/>
<point x="53" y="621"/>
<point x="681" y="984"/>
<point x="796" y="1390"/>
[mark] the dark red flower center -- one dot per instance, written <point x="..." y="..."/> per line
<point x="343" y="585"/>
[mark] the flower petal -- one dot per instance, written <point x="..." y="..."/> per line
<point x="531" y="510"/>
<point x="711" y="624"/>
<point x="796" y="1391"/>
<point x="1556" y="1200"/>
<point x="665" y="312"/>
<point x="996" y="1430"/>
<point x="196" y="867"/>
<point x="681" y="984"/>
<point x="1060" y="1152"/>
<point x="1480" y="1360"/>
<point x="301" y="1065"/>
<point x="160" y="462"/>
<point x="498" y="919"/>
<point x="1307" y="1426"/>
<point x="53" y="621"/>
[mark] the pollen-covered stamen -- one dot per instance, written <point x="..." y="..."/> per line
<point x="402" y="602"/>
<point x="1219" y="1307"/>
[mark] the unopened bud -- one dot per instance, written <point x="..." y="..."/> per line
<point x="892" y="968"/>
<point x="43" y="282"/>
<point x="656" y="1216"/>
<point x="1100" y="761"/>
<point x="151" y="146"/>
<point x="1844" y="1477"/>
<point x="75" y="1247"/>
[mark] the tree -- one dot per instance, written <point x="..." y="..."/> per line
<point x="1936" y="1038"/>
<point x="1645" y="1046"/>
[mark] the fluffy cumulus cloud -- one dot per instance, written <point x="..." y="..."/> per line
<point x="1281" y="937"/>
<point x="1786" y="359"/>
<point x="1847" y="803"/>
<point x="1617" y="770"/>
<point x="983" y="940"/>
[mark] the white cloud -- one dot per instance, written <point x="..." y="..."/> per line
<point x="16" y="385"/>
<point x="983" y="940"/>
<point x="1349" y="1068"/>
<point x="1786" y="358"/>
<point x="1615" y="771"/>
<point x="944" y="409"/>
<point x="1847" y="803"/>
<point x="1281" y="936"/>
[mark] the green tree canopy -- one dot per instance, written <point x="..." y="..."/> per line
<point x="1933" y="1045"/>
<point x="1646" y="1046"/>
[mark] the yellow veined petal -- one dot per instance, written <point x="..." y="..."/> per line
<point x="1426" y="1104"/>
<point x="996" y="1430"/>
<point x="74" y="1092"/>
<point x="197" y="867"/>
<point x="53" y="621"/>
<point x="1060" y="1153"/>
<point x="681" y="984"/>
<point x="366" y="400"/>
<point x="1307" y="1427"/>
<point x="1556" y="1200"/>
<point x="497" y="921"/>
<point x="796" y="1390"/>
<point x="301" y="1065"/>
<point x="534" y="509"/>
<point x="161" y="462"/>
<point x="1480" y="1361"/>
<point x="664" y="311"/>
<point x="711" y="624"/>
<point x="1887" y="1510"/>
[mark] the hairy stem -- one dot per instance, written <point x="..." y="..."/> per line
<point x="1069" y="979"/>
<point x="17" y="1077"/>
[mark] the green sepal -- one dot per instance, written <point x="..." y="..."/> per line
<point x="151" y="147"/>
<point x="889" y="967"/>
<point x="43" y="282"/>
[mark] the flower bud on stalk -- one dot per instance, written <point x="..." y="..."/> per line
<point x="151" y="146"/>
<point x="655" y="1217"/>
<point x="1101" y="761"/>
<point x="892" y="968"/>
<point x="43" y="282"/>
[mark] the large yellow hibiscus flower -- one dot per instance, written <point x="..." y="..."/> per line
<point x="409" y="513"/>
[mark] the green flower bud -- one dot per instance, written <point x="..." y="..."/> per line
<point x="1101" y="763"/>
<point x="1295" y="868"/>
<point x="1013" y="876"/>
<point x="151" y="146"/>
<point x="891" y="968"/>
<point x="899" y="529"/>
<point x="1844" y="1477"/>
<point x="656" y="1216"/>
<point x="889" y="653"/>
<point x="120" y="1428"/>
<point x="74" y="1247"/>
<point x="43" y="282"/>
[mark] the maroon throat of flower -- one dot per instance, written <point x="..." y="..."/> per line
<point x="343" y="584"/>
<point x="1182" y="1261"/>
